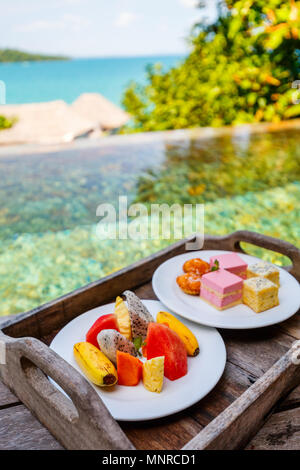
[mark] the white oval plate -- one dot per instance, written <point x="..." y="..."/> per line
<point x="239" y="317"/>
<point x="137" y="403"/>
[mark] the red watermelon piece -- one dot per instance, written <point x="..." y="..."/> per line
<point x="106" y="322"/>
<point x="162" y="341"/>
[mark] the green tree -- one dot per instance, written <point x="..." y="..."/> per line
<point x="240" y="70"/>
<point x="6" y="123"/>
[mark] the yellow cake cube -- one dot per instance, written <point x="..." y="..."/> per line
<point x="260" y="294"/>
<point x="263" y="269"/>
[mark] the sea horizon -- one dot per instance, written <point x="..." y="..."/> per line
<point x="129" y="56"/>
<point x="33" y="82"/>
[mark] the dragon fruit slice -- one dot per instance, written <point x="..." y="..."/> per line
<point x="140" y="317"/>
<point x="111" y="341"/>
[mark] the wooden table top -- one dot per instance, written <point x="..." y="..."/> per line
<point x="250" y="353"/>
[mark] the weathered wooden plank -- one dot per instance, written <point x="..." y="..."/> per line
<point x="20" y="430"/>
<point x="23" y="325"/>
<point x="6" y="397"/>
<point x="146" y="292"/>
<point x="172" y="432"/>
<point x="281" y="432"/>
<point x="51" y="319"/>
<point x="233" y="428"/>
<point x="291" y="401"/>
<point x="233" y="383"/>
<point x="292" y="326"/>
<point x="256" y="350"/>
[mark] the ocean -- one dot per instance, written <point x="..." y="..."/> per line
<point x="31" y="82"/>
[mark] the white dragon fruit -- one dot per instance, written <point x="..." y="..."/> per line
<point x="111" y="341"/>
<point x="140" y="317"/>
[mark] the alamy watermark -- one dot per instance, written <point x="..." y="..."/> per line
<point x="2" y="92"/>
<point x="154" y="222"/>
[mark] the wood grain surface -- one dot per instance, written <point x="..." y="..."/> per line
<point x="19" y="430"/>
<point x="235" y="426"/>
<point x="281" y="432"/>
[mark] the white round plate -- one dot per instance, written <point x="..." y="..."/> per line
<point x="239" y="317"/>
<point x="137" y="403"/>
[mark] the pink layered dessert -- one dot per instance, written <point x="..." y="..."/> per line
<point x="221" y="289"/>
<point x="232" y="263"/>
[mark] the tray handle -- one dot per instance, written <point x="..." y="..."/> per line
<point x="232" y="242"/>
<point x="84" y="422"/>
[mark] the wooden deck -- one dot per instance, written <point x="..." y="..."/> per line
<point x="250" y="354"/>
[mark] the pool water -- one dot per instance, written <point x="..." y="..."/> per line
<point x="48" y="201"/>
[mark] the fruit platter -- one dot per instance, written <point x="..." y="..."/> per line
<point x="226" y="290"/>
<point x="144" y="362"/>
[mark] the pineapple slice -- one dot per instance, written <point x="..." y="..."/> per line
<point x="153" y="374"/>
<point x="123" y="318"/>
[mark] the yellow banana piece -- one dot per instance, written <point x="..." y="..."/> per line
<point x="123" y="318"/>
<point x="183" y="332"/>
<point x="95" y="365"/>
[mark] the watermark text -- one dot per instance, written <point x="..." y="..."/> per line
<point x="154" y="222"/>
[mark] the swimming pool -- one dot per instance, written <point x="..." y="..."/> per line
<point x="48" y="201"/>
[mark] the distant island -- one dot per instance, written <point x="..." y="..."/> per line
<point x="14" y="55"/>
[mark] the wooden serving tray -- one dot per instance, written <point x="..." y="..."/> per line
<point x="260" y="371"/>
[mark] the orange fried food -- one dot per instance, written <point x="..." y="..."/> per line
<point x="197" y="266"/>
<point x="189" y="283"/>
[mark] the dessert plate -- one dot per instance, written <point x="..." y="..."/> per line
<point x="137" y="403"/>
<point x="239" y="317"/>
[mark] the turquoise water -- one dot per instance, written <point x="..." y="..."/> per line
<point x="32" y="82"/>
<point x="48" y="242"/>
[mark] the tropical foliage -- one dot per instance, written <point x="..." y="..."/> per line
<point x="6" y="123"/>
<point x="241" y="69"/>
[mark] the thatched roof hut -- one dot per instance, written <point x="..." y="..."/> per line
<point x="45" y="123"/>
<point x="96" y="108"/>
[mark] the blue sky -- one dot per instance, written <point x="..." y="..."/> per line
<point x="97" y="28"/>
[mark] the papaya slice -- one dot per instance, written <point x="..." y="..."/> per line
<point x="129" y="368"/>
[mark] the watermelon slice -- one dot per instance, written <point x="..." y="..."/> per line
<point x="106" y="322"/>
<point x="162" y="341"/>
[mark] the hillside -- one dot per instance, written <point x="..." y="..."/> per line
<point x="13" y="55"/>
